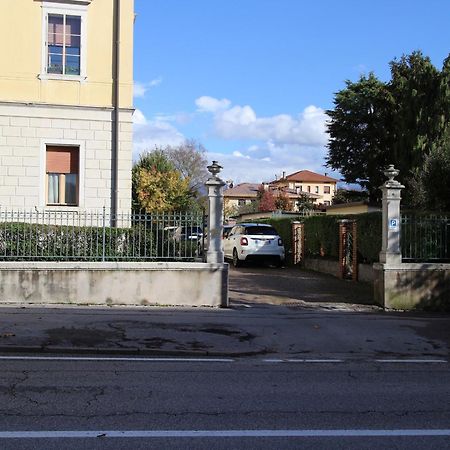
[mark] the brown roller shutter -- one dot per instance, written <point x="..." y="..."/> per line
<point x="62" y="159"/>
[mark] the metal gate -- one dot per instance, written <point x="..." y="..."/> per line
<point x="298" y="242"/>
<point x="348" y="250"/>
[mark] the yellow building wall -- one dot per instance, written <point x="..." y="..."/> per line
<point x="21" y="48"/>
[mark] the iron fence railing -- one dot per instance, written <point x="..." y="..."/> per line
<point x="101" y="236"/>
<point x="425" y="238"/>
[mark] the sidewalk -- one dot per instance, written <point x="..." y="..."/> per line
<point x="149" y="331"/>
<point x="244" y="330"/>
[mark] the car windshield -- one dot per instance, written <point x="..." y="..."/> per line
<point x="261" y="231"/>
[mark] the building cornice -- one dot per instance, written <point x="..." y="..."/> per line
<point x="69" y="2"/>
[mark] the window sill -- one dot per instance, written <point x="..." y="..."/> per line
<point x="62" y="208"/>
<point x="54" y="76"/>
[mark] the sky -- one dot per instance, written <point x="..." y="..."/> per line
<point x="251" y="79"/>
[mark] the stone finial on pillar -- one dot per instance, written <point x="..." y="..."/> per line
<point x="390" y="246"/>
<point x="215" y="214"/>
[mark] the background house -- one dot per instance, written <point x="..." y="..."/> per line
<point x="66" y="91"/>
<point x="319" y="189"/>
<point x="322" y="186"/>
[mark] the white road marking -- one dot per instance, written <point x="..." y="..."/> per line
<point x="303" y="360"/>
<point x="219" y="433"/>
<point x="137" y="359"/>
<point x="214" y="360"/>
<point x="415" y="361"/>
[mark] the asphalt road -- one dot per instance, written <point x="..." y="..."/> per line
<point x="297" y="365"/>
<point x="120" y="404"/>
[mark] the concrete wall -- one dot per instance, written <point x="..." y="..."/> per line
<point x="413" y="286"/>
<point x="110" y="283"/>
<point x="365" y="271"/>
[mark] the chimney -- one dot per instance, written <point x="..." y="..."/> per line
<point x="276" y="177"/>
<point x="284" y="174"/>
<point x="326" y="173"/>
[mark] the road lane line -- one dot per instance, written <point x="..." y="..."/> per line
<point x="137" y="359"/>
<point x="303" y="360"/>
<point x="222" y="433"/>
<point x="414" y="361"/>
<point x="316" y="360"/>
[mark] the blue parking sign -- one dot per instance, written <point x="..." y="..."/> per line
<point x="393" y="224"/>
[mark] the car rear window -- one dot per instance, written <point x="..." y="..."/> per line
<point x="191" y="230"/>
<point x="261" y="231"/>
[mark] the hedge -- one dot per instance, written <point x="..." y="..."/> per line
<point x="38" y="242"/>
<point x="322" y="235"/>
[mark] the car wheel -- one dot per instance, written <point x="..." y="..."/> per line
<point x="236" y="260"/>
<point x="279" y="263"/>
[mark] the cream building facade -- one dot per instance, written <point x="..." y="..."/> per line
<point x="66" y="104"/>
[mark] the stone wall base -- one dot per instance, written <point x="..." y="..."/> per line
<point x="110" y="283"/>
<point x="412" y="286"/>
<point x="365" y="271"/>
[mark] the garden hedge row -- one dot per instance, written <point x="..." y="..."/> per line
<point x="322" y="235"/>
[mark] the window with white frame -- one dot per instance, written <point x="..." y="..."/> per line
<point x="62" y="172"/>
<point x="326" y="189"/>
<point x="64" y="39"/>
<point x="63" y="44"/>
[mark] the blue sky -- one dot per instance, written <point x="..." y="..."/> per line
<point x="250" y="79"/>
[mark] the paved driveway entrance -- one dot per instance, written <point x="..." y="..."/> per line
<point x="292" y="286"/>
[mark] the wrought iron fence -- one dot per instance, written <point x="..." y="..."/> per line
<point x="101" y="236"/>
<point x="425" y="238"/>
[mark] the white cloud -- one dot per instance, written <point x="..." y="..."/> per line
<point x="255" y="165"/>
<point x="139" y="118"/>
<point x="241" y="122"/>
<point x="211" y="104"/>
<point x="140" y="89"/>
<point x="149" y="134"/>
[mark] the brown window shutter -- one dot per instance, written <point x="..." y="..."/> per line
<point x="62" y="159"/>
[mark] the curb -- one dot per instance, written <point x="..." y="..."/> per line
<point x="128" y="351"/>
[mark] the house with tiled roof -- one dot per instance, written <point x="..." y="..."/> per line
<point x="322" y="187"/>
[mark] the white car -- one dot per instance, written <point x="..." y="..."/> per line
<point x="252" y="241"/>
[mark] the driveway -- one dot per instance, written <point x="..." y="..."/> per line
<point x="295" y="287"/>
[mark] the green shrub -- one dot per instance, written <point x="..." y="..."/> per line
<point x="283" y="225"/>
<point x="369" y="237"/>
<point x="39" y="242"/>
<point x="322" y="237"/>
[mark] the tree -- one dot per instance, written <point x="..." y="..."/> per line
<point x="282" y="202"/>
<point x="304" y="202"/>
<point x="186" y="160"/>
<point x="157" y="185"/>
<point x="348" y="196"/>
<point x="266" y="200"/>
<point x="190" y="160"/>
<point x="359" y="132"/>
<point x="415" y="126"/>
<point x="430" y="186"/>
<point x="162" y="191"/>
<point x="375" y="124"/>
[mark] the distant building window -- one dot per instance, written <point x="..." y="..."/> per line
<point x="64" y="44"/>
<point x="326" y="189"/>
<point x="241" y="202"/>
<point x="62" y="172"/>
<point x="317" y="189"/>
<point x="309" y="189"/>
